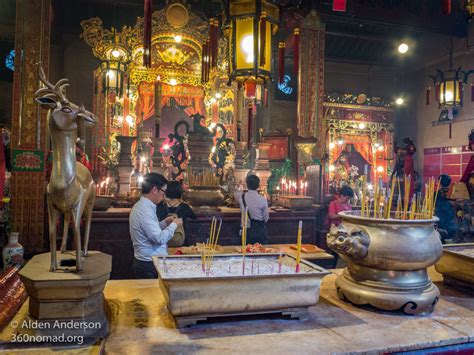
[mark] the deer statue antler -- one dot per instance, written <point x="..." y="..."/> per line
<point x="52" y="91"/>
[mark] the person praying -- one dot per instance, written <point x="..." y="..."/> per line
<point x="149" y="236"/>
<point x="257" y="207"/>
<point x="340" y="204"/>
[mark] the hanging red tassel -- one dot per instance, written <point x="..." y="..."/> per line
<point x="208" y="59"/>
<point x="203" y="61"/>
<point x="461" y="93"/>
<point x="427" y="97"/>
<point x="339" y="5"/>
<point x="437" y="92"/>
<point x="147" y="33"/>
<point x="263" y="37"/>
<point x="446" y="7"/>
<point x="213" y="42"/>
<point x="281" y="61"/>
<point x="296" y="53"/>
<point x="249" y="128"/>
<point x="216" y="42"/>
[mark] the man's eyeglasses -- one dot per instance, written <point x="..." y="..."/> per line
<point x="159" y="188"/>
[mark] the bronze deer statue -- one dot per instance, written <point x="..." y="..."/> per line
<point x="71" y="189"/>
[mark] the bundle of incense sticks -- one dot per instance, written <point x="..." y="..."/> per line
<point x="205" y="178"/>
<point x="244" y="237"/>
<point x="408" y="207"/>
<point x="298" y="246"/>
<point x="211" y="244"/>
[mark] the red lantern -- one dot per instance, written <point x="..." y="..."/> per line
<point x="250" y="88"/>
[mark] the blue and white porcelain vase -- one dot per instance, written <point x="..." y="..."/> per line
<point x="12" y="253"/>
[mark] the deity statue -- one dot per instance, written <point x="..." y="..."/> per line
<point x="404" y="165"/>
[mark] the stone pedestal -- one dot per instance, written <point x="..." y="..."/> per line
<point x="240" y="152"/>
<point x="262" y="164"/>
<point x="65" y="302"/>
<point x="125" y="164"/>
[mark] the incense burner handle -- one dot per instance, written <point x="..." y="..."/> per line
<point x="352" y="242"/>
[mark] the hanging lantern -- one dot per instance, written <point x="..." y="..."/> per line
<point x="469" y="7"/>
<point x="250" y="52"/>
<point x="450" y="84"/>
<point x="112" y="76"/>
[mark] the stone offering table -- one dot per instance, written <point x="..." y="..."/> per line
<point x="141" y="324"/>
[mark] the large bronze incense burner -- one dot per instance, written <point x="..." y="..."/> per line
<point x="387" y="261"/>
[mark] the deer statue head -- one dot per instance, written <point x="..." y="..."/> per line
<point x="64" y="115"/>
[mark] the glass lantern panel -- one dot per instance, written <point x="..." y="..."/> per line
<point x="268" y="48"/>
<point x="244" y="45"/>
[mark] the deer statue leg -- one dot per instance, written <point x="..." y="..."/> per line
<point x="76" y="221"/>
<point x="53" y="216"/>
<point x="88" y="218"/>
<point x="65" y="231"/>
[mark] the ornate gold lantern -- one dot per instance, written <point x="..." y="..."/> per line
<point x="252" y="24"/>
<point x="451" y="87"/>
<point x="112" y="76"/>
<point x="113" y="49"/>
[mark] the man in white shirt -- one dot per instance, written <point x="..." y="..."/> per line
<point x="149" y="236"/>
<point x="257" y="206"/>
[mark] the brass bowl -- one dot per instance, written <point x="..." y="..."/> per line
<point x="387" y="261"/>
<point x="211" y="196"/>
<point x="102" y="202"/>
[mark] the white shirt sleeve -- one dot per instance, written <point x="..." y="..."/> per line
<point x="152" y="229"/>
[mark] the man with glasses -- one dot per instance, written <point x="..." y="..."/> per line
<point x="149" y="236"/>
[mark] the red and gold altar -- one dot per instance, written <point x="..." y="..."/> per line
<point x="359" y="139"/>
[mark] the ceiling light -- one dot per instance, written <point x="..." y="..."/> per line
<point x="332" y="145"/>
<point x="399" y="101"/>
<point x="173" y="82"/>
<point x="340" y="141"/>
<point x="332" y="168"/>
<point x="361" y="125"/>
<point x="178" y="38"/>
<point x="218" y="95"/>
<point x="403" y="48"/>
<point x="116" y="53"/>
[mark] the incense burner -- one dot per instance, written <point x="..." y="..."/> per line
<point x="387" y="261"/>
<point x="457" y="265"/>
<point x="204" y="196"/>
<point x="294" y="202"/>
<point x="193" y="295"/>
